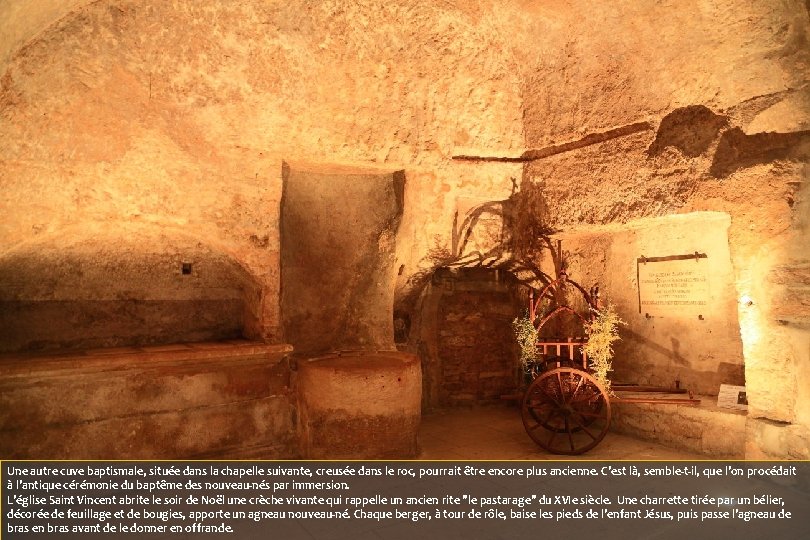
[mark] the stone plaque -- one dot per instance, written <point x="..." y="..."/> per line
<point x="674" y="286"/>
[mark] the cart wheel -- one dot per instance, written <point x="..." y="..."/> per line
<point x="544" y="365"/>
<point x="566" y="411"/>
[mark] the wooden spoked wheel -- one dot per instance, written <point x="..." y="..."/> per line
<point x="566" y="411"/>
<point x="547" y="364"/>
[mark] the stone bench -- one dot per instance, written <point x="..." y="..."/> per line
<point x="198" y="400"/>
<point x="703" y="429"/>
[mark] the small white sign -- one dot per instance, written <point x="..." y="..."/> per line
<point x="732" y="397"/>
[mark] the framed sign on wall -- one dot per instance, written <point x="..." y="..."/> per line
<point x="673" y="286"/>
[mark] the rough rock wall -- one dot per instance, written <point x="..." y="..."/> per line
<point x="626" y="61"/>
<point x="714" y="106"/>
<point x="179" y="114"/>
<point x="29" y="19"/>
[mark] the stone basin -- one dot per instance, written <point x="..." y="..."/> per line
<point x="359" y="405"/>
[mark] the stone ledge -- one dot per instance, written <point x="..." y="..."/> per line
<point x="704" y="429"/>
<point x="137" y="358"/>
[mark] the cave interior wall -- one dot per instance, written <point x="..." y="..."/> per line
<point x="117" y="126"/>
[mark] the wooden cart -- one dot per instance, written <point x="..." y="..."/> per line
<point x="565" y="409"/>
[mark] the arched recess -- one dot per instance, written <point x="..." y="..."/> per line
<point x="97" y="286"/>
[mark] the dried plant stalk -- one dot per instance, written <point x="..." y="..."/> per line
<point x="603" y="331"/>
<point x="526" y="335"/>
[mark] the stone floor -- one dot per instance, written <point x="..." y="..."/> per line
<point x="496" y="433"/>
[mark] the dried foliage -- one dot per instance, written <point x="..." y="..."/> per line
<point x="526" y="335"/>
<point x="603" y="331"/>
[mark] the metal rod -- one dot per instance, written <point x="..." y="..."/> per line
<point x="634" y="388"/>
<point x="664" y="401"/>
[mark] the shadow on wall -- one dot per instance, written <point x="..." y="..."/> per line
<point x="736" y="150"/>
<point x="678" y="355"/>
<point x="690" y="129"/>
<point x="694" y="130"/>
<point x="115" y="291"/>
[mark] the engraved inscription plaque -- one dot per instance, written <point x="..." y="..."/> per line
<point x="676" y="286"/>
